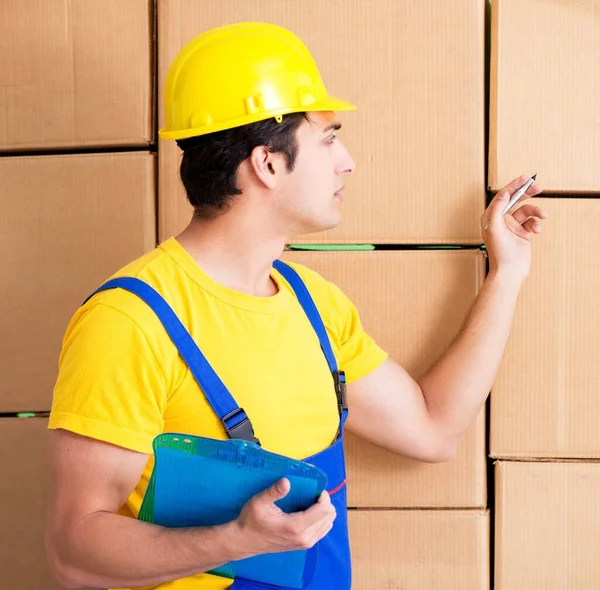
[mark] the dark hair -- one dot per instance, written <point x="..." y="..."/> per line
<point x="210" y="162"/>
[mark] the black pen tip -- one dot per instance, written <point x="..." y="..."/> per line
<point x="533" y="177"/>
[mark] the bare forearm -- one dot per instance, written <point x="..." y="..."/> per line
<point x="458" y="384"/>
<point x="108" y="550"/>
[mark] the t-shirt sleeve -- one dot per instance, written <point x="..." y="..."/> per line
<point x="359" y="353"/>
<point x="110" y="385"/>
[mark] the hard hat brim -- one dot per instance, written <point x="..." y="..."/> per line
<point x="328" y="104"/>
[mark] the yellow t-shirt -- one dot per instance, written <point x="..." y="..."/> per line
<point x="121" y="379"/>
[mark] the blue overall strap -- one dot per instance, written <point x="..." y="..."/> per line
<point x="311" y="311"/>
<point x="236" y="422"/>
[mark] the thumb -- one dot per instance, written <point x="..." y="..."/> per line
<point x="278" y="490"/>
<point x="495" y="212"/>
<point x="500" y="201"/>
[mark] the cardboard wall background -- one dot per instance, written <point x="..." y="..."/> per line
<point x="533" y="81"/>
<point x="420" y="549"/>
<point x="545" y="399"/>
<point x="419" y="146"/>
<point x="68" y="223"/>
<point x="23" y="507"/>
<point x="545" y="113"/>
<point x="547" y="525"/>
<point x="76" y="74"/>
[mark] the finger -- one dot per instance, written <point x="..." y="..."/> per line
<point x="310" y="537"/>
<point x="516" y="184"/>
<point x="321" y="530"/>
<point x="517" y="228"/>
<point x="324" y="498"/>
<point x="277" y="491"/>
<point x="313" y="515"/>
<point x="533" y="226"/>
<point x="534" y="189"/>
<point x="526" y="211"/>
<point x="494" y="213"/>
<point x="325" y="522"/>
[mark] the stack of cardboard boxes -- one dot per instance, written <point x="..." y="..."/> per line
<point x="79" y="201"/>
<point x="77" y="194"/>
<point x="413" y="524"/>
<point x="545" y="435"/>
<point x="416" y="72"/>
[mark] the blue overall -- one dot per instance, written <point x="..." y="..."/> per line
<point x="333" y="570"/>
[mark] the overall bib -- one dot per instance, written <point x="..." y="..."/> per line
<point x="333" y="569"/>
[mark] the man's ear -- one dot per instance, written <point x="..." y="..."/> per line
<point x="266" y="166"/>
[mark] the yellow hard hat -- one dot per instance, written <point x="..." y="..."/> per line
<point x="239" y="74"/>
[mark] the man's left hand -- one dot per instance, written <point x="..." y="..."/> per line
<point x="507" y="237"/>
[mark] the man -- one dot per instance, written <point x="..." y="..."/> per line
<point x="261" y="163"/>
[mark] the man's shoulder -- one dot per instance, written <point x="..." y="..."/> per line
<point x="155" y="268"/>
<point x="328" y="297"/>
<point x="314" y="281"/>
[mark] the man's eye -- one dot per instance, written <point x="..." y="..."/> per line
<point x="331" y="139"/>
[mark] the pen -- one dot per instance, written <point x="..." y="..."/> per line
<point x="519" y="194"/>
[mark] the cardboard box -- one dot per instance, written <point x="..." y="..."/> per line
<point x="545" y="400"/>
<point x="416" y="71"/>
<point x="413" y="303"/>
<point x="68" y="223"/>
<point x="544" y="86"/>
<point x="76" y="74"/>
<point x="23" y="463"/>
<point x="547" y="526"/>
<point x="420" y="549"/>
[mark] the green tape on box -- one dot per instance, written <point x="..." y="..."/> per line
<point x="439" y="247"/>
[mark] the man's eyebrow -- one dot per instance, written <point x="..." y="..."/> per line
<point x="332" y="127"/>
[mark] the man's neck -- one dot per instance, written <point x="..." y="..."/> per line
<point x="235" y="257"/>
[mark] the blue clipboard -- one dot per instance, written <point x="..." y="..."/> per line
<point x="199" y="481"/>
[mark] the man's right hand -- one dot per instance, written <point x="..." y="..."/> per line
<point x="267" y="529"/>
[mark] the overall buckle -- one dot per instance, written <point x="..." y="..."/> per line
<point x="243" y="430"/>
<point x="339" y="380"/>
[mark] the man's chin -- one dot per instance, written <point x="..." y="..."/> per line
<point x="318" y="228"/>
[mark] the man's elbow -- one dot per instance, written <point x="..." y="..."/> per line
<point x="67" y="581"/>
<point x="441" y="451"/>
<point x="65" y="574"/>
<point x="444" y="455"/>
